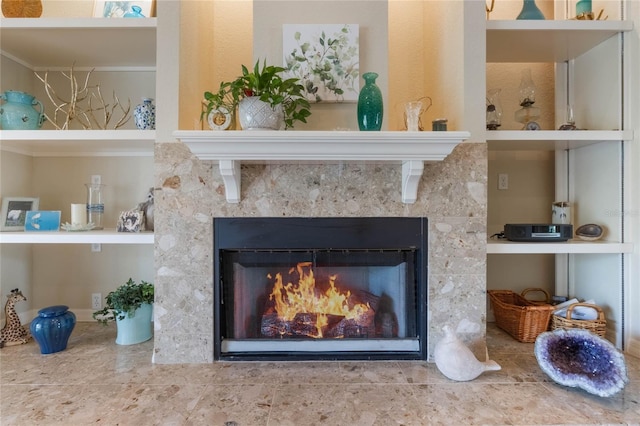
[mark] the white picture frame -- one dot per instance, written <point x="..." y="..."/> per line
<point x="118" y="9"/>
<point x="14" y="212"/>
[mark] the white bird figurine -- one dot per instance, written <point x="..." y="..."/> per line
<point x="456" y="361"/>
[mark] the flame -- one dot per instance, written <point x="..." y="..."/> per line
<point x="291" y="299"/>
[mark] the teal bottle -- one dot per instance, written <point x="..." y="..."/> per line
<point x="370" y="107"/>
<point x="530" y="11"/>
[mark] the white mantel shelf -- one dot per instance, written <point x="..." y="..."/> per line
<point x="231" y="148"/>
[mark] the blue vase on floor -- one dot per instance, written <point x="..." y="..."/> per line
<point x="370" y="107"/>
<point x="530" y="11"/>
<point x="52" y="328"/>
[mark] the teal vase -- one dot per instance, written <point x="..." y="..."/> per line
<point x="19" y="111"/>
<point x="530" y="11"/>
<point x="583" y="6"/>
<point x="370" y="104"/>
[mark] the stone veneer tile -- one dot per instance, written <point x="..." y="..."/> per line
<point x="452" y="194"/>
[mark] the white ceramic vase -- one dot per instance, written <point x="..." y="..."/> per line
<point x="135" y="329"/>
<point x="255" y="114"/>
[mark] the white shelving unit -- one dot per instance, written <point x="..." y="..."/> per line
<point x="78" y="143"/>
<point x="574" y="246"/>
<point x="552" y="140"/>
<point x="589" y="163"/>
<point x="551" y="41"/>
<point x="107" y="236"/>
<point x="103" y="44"/>
<point x="547" y="40"/>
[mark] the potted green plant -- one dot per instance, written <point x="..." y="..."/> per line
<point x="131" y="307"/>
<point x="284" y="96"/>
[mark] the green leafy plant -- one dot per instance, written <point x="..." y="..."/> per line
<point x="267" y="83"/>
<point x="125" y="300"/>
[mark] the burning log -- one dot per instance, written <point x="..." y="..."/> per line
<point x="304" y="311"/>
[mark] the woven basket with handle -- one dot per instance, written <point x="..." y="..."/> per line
<point x="519" y="317"/>
<point x="597" y="326"/>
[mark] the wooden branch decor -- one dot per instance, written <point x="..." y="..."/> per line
<point x="79" y="107"/>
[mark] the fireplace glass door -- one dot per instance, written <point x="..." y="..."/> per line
<point x="276" y="299"/>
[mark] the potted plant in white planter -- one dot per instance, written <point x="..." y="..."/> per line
<point x="263" y="90"/>
<point x="131" y="307"/>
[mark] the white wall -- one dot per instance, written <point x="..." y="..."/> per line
<point x="16" y="262"/>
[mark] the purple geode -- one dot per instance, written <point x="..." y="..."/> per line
<point x="579" y="358"/>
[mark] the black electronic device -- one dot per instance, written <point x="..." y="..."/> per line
<point x="542" y="232"/>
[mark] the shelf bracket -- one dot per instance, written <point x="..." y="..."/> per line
<point x="411" y="175"/>
<point x="230" y="172"/>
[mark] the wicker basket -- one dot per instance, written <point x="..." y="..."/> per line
<point x="547" y="297"/>
<point x="522" y="319"/>
<point x="597" y="326"/>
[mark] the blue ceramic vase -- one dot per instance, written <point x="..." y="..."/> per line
<point x="370" y="107"/>
<point x="52" y="328"/>
<point x="530" y="11"/>
<point x="19" y="111"/>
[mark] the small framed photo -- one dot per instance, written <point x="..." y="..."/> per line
<point x="14" y="212"/>
<point x="41" y="220"/>
<point x="130" y="221"/>
<point x="123" y="9"/>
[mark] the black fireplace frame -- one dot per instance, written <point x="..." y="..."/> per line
<point x="247" y="233"/>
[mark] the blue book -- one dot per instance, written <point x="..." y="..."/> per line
<point x="41" y="220"/>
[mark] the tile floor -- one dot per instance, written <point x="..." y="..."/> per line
<point x="95" y="381"/>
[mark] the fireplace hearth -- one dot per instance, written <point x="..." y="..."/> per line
<point x="320" y="288"/>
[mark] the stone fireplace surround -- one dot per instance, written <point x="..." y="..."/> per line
<point x="451" y="193"/>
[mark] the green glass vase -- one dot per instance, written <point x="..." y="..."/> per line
<point x="370" y="107"/>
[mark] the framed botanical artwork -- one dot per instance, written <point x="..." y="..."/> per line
<point x="123" y="9"/>
<point x="14" y="212"/>
<point x="326" y="59"/>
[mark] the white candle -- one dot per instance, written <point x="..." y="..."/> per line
<point x="79" y="214"/>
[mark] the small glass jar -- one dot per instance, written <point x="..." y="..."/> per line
<point x="439" y="125"/>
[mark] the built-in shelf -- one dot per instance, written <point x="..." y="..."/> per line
<point x="107" y="236"/>
<point x="552" y="140"/>
<point x="78" y="143"/>
<point x="574" y="246"/>
<point x="101" y="43"/>
<point x="547" y="40"/>
<point x="410" y="149"/>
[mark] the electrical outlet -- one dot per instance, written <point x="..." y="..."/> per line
<point x="96" y="248"/>
<point x="96" y="179"/>
<point x="503" y="181"/>
<point x="96" y="301"/>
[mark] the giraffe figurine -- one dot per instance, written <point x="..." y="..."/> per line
<point x="13" y="333"/>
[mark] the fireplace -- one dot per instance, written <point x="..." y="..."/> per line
<point x="320" y="288"/>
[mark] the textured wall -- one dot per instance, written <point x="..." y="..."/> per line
<point x="452" y="195"/>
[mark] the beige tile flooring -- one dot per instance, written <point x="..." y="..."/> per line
<point x="95" y="381"/>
